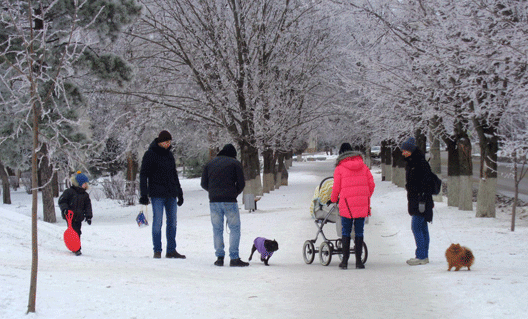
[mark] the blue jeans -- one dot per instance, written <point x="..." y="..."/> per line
<point x="421" y="236"/>
<point x="157" y="221"/>
<point x="347" y="223"/>
<point x="230" y="211"/>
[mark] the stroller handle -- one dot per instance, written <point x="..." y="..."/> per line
<point x="324" y="180"/>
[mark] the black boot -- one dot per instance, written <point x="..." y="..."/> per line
<point x="219" y="261"/>
<point x="358" y="241"/>
<point x="238" y="263"/>
<point x="346" y="252"/>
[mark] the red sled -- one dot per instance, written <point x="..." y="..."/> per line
<point x="71" y="238"/>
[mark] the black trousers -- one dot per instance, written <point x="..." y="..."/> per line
<point x="77" y="227"/>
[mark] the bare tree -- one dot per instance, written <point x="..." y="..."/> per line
<point x="234" y="66"/>
<point x="455" y="64"/>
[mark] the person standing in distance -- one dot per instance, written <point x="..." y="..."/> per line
<point x="223" y="179"/>
<point x="420" y="198"/>
<point x="158" y="180"/>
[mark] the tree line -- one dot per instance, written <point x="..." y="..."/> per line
<point x="88" y="84"/>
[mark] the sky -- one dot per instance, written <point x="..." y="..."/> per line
<point x="116" y="276"/>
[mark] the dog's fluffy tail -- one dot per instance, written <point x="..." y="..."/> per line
<point x="468" y="257"/>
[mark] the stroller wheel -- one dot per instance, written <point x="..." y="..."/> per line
<point x="308" y="252"/>
<point x="364" y="253"/>
<point x="325" y="253"/>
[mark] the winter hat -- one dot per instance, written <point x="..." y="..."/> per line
<point x="228" y="150"/>
<point x="81" y="178"/>
<point x="409" y="145"/>
<point x="164" y="136"/>
<point x="345" y="147"/>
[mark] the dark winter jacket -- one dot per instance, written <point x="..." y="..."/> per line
<point x="77" y="200"/>
<point x="158" y="176"/>
<point x="223" y="177"/>
<point x="419" y="184"/>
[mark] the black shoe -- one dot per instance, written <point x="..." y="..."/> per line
<point x="157" y="254"/>
<point x="219" y="261"/>
<point x="78" y="253"/>
<point x="343" y="265"/>
<point x="175" y="254"/>
<point x="238" y="263"/>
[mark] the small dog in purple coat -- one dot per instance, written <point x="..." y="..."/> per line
<point x="265" y="247"/>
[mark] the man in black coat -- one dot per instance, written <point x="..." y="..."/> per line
<point x="420" y="199"/>
<point x="223" y="178"/>
<point x="158" y="180"/>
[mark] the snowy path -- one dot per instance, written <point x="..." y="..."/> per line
<point x="117" y="278"/>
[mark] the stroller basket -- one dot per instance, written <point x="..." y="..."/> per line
<point x="327" y="216"/>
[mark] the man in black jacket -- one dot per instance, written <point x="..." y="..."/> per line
<point x="420" y="199"/>
<point x="158" y="180"/>
<point x="223" y="178"/>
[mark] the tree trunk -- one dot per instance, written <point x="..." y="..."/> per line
<point x="436" y="163"/>
<point x="453" y="173"/>
<point x="288" y="162"/>
<point x="280" y="168"/>
<point x="131" y="175"/>
<point x="398" y="167"/>
<point x="251" y="166"/>
<point x="516" y="190"/>
<point x="267" y="176"/>
<point x="518" y="176"/>
<point x="5" y="184"/>
<point x="386" y="161"/>
<point x="421" y="141"/>
<point x="46" y="174"/>
<point x="34" y="207"/>
<point x="55" y="184"/>
<point x="465" y="199"/>
<point x="285" y="175"/>
<point x="489" y="145"/>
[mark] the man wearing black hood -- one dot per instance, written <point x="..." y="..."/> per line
<point x="223" y="179"/>
<point x="419" y="197"/>
<point x="158" y="180"/>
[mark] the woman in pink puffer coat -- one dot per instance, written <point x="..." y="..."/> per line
<point x="353" y="187"/>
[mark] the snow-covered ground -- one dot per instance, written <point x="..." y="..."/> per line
<point x="116" y="277"/>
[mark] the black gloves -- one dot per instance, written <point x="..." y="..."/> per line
<point x="180" y="199"/>
<point x="328" y="203"/>
<point x="143" y="200"/>
<point x="89" y="221"/>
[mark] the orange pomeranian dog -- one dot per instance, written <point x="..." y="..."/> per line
<point x="458" y="256"/>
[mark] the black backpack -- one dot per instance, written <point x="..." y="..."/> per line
<point x="436" y="184"/>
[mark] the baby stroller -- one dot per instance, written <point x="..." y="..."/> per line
<point x="323" y="215"/>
